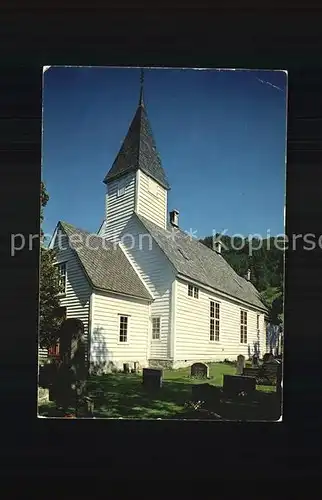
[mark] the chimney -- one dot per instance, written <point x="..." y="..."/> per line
<point x="216" y="245"/>
<point x="248" y="275"/>
<point x="174" y="218"/>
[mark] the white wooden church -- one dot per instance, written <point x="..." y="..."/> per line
<point x="145" y="290"/>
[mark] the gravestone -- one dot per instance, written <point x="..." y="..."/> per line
<point x="240" y="364"/>
<point x="235" y="385"/>
<point x="152" y="378"/>
<point x="72" y="372"/>
<point x="199" y="370"/>
<point x="269" y="371"/>
<point x="255" y="361"/>
<point x="268" y="357"/>
<point x="136" y="367"/>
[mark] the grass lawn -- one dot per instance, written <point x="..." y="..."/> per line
<point x="122" y="395"/>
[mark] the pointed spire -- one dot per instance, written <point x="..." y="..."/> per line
<point x="138" y="150"/>
<point x="141" y="102"/>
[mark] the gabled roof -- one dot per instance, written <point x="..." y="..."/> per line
<point x="194" y="260"/>
<point x="105" y="264"/>
<point x="138" y="151"/>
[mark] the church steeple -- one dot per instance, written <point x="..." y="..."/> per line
<point x="138" y="151"/>
<point x="141" y="102"/>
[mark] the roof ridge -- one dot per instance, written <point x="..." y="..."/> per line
<point x="79" y="229"/>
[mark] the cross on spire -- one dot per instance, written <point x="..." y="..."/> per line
<point x="141" y="103"/>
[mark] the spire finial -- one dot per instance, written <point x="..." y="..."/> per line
<point x="141" y="87"/>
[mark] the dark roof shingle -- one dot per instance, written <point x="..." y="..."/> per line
<point x="106" y="265"/>
<point x="138" y="151"/>
<point x="193" y="259"/>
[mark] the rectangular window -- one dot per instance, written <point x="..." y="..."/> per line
<point x="214" y="321"/>
<point x="217" y="318"/>
<point x="243" y="327"/>
<point x="193" y="291"/>
<point x="62" y="276"/>
<point x="121" y="188"/>
<point x="156" y="328"/>
<point x="123" y="328"/>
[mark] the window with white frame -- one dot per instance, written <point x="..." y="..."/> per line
<point x="257" y="323"/>
<point x="156" y="328"/>
<point x="62" y="270"/>
<point x="214" y="321"/>
<point x="124" y="325"/>
<point x="121" y="188"/>
<point x="243" y="327"/>
<point x="193" y="291"/>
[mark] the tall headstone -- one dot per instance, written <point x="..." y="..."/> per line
<point x="78" y="362"/>
<point x="136" y="367"/>
<point x="240" y="364"/>
<point x="72" y="372"/>
<point x="255" y="361"/>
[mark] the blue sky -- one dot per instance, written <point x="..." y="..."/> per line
<point x="221" y="136"/>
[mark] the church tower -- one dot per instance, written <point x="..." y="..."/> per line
<point x="136" y="181"/>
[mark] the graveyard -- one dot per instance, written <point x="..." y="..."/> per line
<point x="239" y="390"/>
<point x="180" y="394"/>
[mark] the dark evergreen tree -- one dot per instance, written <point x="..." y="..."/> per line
<point x="49" y="317"/>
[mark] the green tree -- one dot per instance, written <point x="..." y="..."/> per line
<point x="49" y="318"/>
<point x="272" y="297"/>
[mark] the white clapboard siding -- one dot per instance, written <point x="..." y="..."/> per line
<point x="78" y="290"/>
<point x="151" y="200"/>
<point x="119" y="208"/>
<point x="156" y="272"/>
<point x="105" y="346"/>
<point x="42" y="354"/>
<point x="192" y="334"/>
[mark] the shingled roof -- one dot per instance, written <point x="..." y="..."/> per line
<point x="105" y="265"/>
<point x="138" y="151"/>
<point x="194" y="260"/>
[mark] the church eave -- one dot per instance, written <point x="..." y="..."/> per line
<point x="112" y="177"/>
